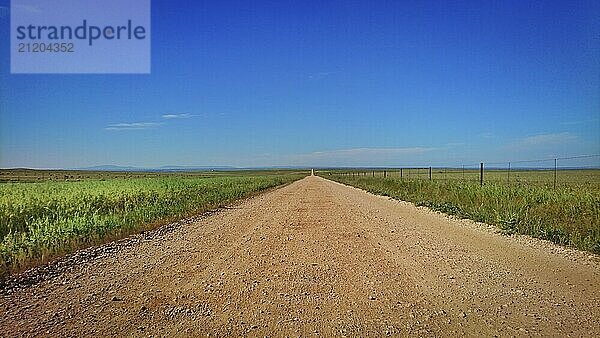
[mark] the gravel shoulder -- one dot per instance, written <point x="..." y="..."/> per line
<point x="316" y="258"/>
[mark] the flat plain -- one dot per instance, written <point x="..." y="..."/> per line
<point x="317" y="258"/>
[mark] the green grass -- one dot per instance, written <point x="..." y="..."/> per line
<point x="40" y="221"/>
<point x="568" y="215"/>
<point x="576" y="178"/>
<point x="21" y="175"/>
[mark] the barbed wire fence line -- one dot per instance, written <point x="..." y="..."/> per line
<point x="552" y="172"/>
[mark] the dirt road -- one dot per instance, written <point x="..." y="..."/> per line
<point x="318" y="258"/>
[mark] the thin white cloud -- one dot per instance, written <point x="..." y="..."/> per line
<point x="370" y="151"/>
<point x="549" y="139"/>
<point x="320" y="75"/>
<point x="148" y="125"/>
<point x="455" y="144"/>
<point x="486" y="135"/>
<point x="177" y="116"/>
<point x="358" y="156"/>
<point x="134" y="126"/>
<point x="579" y="122"/>
<point x="543" y="140"/>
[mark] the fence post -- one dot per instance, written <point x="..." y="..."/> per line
<point x="555" y="167"/>
<point x="508" y="173"/>
<point x="463" y="174"/>
<point x="384" y="173"/>
<point x="430" y="173"/>
<point x="481" y="174"/>
<point x="401" y="176"/>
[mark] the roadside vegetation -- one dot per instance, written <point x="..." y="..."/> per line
<point x="568" y="215"/>
<point x="40" y="221"/>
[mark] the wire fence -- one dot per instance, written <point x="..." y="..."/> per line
<point x="564" y="171"/>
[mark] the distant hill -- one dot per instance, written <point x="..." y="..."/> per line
<point x="194" y="168"/>
<point x="174" y="168"/>
<point x="109" y="168"/>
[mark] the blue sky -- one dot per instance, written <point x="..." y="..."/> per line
<point x="341" y="83"/>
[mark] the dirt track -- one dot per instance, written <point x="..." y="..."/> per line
<point x="317" y="257"/>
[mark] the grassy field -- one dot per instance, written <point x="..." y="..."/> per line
<point x="39" y="221"/>
<point x="33" y="175"/>
<point x="575" y="178"/>
<point x="568" y="215"/>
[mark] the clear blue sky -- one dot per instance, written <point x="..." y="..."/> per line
<point x="252" y="83"/>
